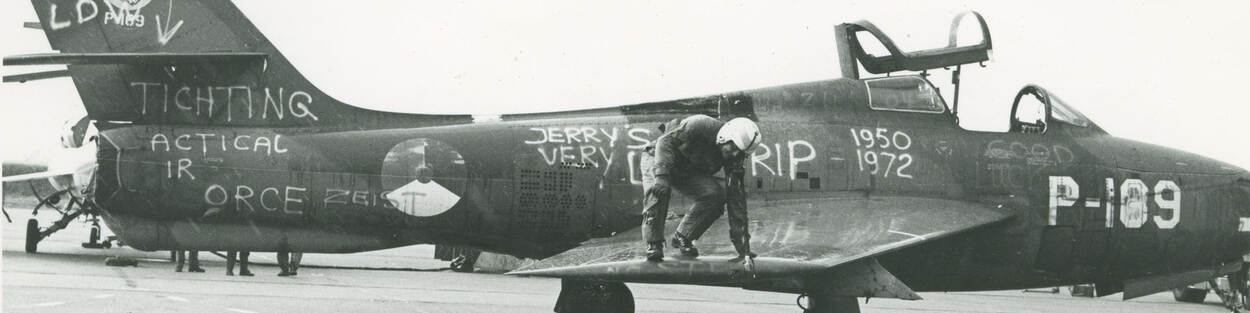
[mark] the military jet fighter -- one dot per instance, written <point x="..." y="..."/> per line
<point x="864" y="186"/>
<point x="69" y="171"/>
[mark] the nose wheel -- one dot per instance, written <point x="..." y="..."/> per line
<point x="32" y="235"/>
<point x="74" y="208"/>
<point x="93" y="240"/>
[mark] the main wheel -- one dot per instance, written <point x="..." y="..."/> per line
<point x="95" y="235"/>
<point x="603" y="297"/>
<point x="1190" y="295"/>
<point x="32" y="235"/>
<point x="463" y="264"/>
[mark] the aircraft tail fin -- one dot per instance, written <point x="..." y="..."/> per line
<point x="184" y="62"/>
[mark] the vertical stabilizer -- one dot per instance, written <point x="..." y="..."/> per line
<point x="147" y="62"/>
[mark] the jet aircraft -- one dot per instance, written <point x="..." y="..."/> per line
<point x="865" y="186"/>
<point x="69" y="171"/>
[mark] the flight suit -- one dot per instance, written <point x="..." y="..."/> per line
<point x="689" y="156"/>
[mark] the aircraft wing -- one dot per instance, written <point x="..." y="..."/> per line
<point x="794" y="239"/>
<point x="40" y="175"/>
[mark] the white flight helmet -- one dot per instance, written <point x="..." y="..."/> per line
<point x="742" y="132"/>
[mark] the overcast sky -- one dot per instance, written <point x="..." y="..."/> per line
<point x="1168" y="73"/>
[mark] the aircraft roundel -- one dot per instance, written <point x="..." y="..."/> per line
<point x="426" y="177"/>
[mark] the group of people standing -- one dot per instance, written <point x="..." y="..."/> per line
<point x="287" y="261"/>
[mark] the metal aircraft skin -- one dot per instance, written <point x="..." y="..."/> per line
<point x="211" y="140"/>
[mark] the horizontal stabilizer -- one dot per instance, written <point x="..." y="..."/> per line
<point x="32" y="25"/>
<point x="22" y="78"/>
<point x="40" y="175"/>
<point x="153" y="58"/>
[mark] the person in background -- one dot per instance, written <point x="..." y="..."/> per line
<point x="284" y="261"/>
<point x="242" y="260"/>
<point x="296" y="257"/>
<point x="194" y="260"/>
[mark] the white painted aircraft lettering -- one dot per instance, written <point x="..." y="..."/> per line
<point x="1134" y="199"/>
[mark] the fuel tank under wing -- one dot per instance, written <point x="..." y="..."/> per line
<point x="796" y="239"/>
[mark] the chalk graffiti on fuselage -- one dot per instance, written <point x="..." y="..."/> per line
<point x="292" y="200"/>
<point x="591" y="147"/>
<point x="872" y="146"/>
<point x="266" y="144"/>
<point x="124" y="13"/>
<point x="250" y="102"/>
<point x="1034" y="155"/>
<point x="599" y="147"/>
<point x="771" y="158"/>
<point x="247" y="197"/>
<point x="180" y="166"/>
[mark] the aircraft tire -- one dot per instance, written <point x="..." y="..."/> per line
<point x="32" y="235"/>
<point x="463" y="264"/>
<point x="1189" y="295"/>
<point x="95" y="235"/>
<point x="585" y="296"/>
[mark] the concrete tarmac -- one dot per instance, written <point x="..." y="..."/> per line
<point x="64" y="277"/>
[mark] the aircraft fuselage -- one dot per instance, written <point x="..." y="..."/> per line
<point x="1087" y="206"/>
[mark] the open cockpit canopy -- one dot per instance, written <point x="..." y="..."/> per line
<point x="851" y="49"/>
<point x="851" y="53"/>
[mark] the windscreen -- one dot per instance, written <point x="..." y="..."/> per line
<point x="1064" y="113"/>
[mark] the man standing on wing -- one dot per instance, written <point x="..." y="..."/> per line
<point x="686" y="158"/>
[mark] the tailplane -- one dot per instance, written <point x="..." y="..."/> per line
<point x="185" y="62"/>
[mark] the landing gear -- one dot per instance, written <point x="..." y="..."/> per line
<point x="1233" y="293"/>
<point x="73" y="209"/>
<point x="1190" y="295"/>
<point x="93" y="240"/>
<point x="577" y="296"/>
<point x="464" y="262"/>
<point x="32" y="235"/>
<point x="823" y="302"/>
<point x="462" y="258"/>
<point x="1233" y="290"/>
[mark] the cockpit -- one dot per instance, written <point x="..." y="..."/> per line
<point x="1034" y="109"/>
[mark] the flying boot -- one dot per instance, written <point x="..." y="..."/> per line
<point x="655" y="251"/>
<point x="744" y="251"/>
<point x="685" y="245"/>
